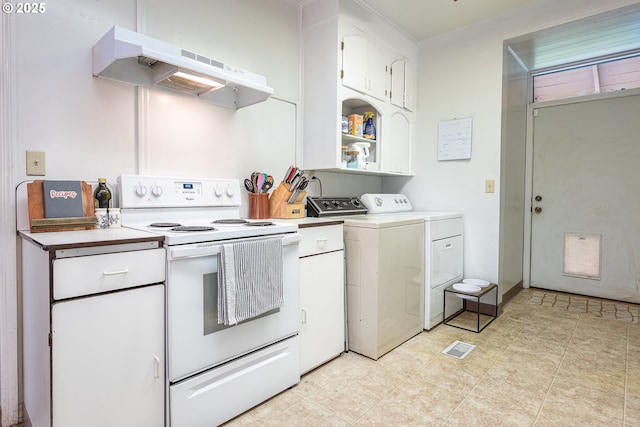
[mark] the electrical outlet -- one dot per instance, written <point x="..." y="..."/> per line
<point x="36" y="163"/>
<point x="489" y="186"/>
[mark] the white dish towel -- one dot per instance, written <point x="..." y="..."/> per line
<point x="249" y="279"/>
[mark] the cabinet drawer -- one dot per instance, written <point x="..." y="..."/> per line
<point x="317" y="240"/>
<point x="444" y="228"/>
<point x="107" y="272"/>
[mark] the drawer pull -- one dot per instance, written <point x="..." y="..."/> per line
<point x="156" y="372"/>
<point x="113" y="273"/>
<point x="448" y="246"/>
<point x="322" y="243"/>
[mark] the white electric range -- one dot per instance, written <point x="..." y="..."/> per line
<point x="212" y="366"/>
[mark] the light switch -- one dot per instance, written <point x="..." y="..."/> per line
<point x="36" y="163"/>
<point x="489" y="186"/>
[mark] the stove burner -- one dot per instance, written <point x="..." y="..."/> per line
<point x="230" y="221"/>
<point x="259" y="223"/>
<point x="188" y="228"/>
<point x="164" y="224"/>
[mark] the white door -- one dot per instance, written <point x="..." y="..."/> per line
<point x="585" y="233"/>
<point x="108" y="360"/>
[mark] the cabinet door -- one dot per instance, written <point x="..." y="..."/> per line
<point x="108" y="360"/>
<point x="397" y="82"/>
<point x="397" y="147"/>
<point x="409" y="87"/>
<point x="322" y="304"/>
<point x="403" y="85"/>
<point x="354" y="63"/>
<point x="363" y="66"/>
<point x="377" y="71"/>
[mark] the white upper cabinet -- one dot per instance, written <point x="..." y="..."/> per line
<point x="397" y="157"/>
<point x="403" y="84"/>
<point x="348" y="52"/>
<point x="363" y="66"/>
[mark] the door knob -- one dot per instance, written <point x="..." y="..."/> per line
<point x="538" y="209"/>
<point x="538" y="198"/>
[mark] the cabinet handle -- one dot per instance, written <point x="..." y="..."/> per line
<point x="322" y="243"/>
<point x="113" y="273"/>
<point x="448" y="246"/>
<point x="156" y="372"/>
<point x="304" y="316"/>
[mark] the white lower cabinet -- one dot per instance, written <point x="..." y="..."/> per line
<point x="96" y="356"/>
<point x="107" y="354"/>
<point x="322" y="329"/>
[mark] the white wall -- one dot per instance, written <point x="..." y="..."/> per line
<point x="460" y="75"/>
<point x="515" y="99"/>
<point x="92" y="127"/>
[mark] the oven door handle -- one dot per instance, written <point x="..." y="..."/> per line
<point x="213" y="248"/>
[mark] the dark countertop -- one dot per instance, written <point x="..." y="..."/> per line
<point x="60" y="240"/>
<point x="308" y="222"/>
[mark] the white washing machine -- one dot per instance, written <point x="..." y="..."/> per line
<point x="384" y="279"/>
<point x="443" y="249"/>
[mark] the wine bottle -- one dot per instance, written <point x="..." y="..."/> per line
<point x="102" y="195"/>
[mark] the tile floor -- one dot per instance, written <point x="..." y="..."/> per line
<point x="536" y="365"/>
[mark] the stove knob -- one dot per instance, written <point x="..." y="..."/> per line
<point x="156" y="191"/>
<point x="140" y="190"/>
<point x="230" y="191"/>
<point x="218" y="191"/>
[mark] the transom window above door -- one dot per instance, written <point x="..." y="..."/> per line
<point x="601" y="77"/>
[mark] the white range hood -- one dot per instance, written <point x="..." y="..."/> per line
<point x="134" y="58"/>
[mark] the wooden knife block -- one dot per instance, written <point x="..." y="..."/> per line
<point x="278" y="206"/>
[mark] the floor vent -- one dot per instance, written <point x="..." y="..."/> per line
<point x="458" y="349"/>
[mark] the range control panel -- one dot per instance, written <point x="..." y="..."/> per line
<point x="328" y="206"/>
<point x="140" y="191"/>
<point x="386" y="203"/>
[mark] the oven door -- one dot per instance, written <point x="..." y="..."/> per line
<point x="196" y="341"/>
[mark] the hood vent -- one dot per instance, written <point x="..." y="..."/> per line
<point x="134" y="58"/>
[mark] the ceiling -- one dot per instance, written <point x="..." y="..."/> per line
<point x="422" y="19"/>
<point x="601" y="35"/>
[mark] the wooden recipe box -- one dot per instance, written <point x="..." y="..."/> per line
<point x="39" y="223"/>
